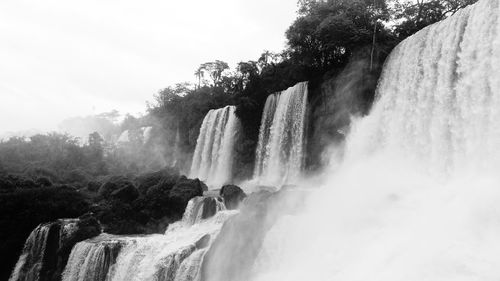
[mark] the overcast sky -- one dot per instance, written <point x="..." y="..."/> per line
<point x="68" y="58"/>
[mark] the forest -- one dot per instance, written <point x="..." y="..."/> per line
<point x="138" y="187"/>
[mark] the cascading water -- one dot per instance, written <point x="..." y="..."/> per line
<point x="39" y="258"/>
<point x="437" y="98"/>
<point x="200" y="208"/>
<point x="416" y="197"/>
<point x="30" y="262"/>
<point x="91" y="259"/>
<point x="176" y="255"/>
<point x="279" y="156"/>
<point x="214" y="153"/>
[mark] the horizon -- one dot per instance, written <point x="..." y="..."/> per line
<point x="97" y="61"/>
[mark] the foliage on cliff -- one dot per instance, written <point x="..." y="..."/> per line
<point x="324" y="38"/>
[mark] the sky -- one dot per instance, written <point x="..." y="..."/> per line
<point x="68" y="58"/>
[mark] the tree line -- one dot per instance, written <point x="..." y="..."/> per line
<point x="323" y="39"/>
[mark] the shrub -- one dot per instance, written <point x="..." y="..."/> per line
<point x="114" y="183"/>
<point x="24" y="209"/>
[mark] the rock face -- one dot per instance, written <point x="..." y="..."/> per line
<point x="176" y="255"/>
<point x="160" y="199"/>
<point x="47" y="249"/>
<point x="184" y="190"/>
<point x="232" y="196"/>
<point x="203" y="242"/>
<point x="209" y="207"/>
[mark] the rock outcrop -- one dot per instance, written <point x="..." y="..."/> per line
<point x="47" y="249"/>
<point x="232" y="195"/>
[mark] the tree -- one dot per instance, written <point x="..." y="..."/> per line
<point x="415" y="16"/>
<point x="327" y="33"/>
<point x="214" y="70"/>
<point x="199" y="75"/>
<point x="96" y="145"/>
<point x="170" y="94"/>
<point x="268" y="58"/>
<point x="111" y="115"/>
<point x="95" y="140"/>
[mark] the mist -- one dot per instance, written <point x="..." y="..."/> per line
<point x="366" y="149"/>
<point x="61" y="60"/>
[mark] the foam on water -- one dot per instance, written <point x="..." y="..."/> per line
<point x="175" y="255"/>
<point x="417" y="195"/>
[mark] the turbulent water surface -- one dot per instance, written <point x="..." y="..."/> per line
<point x="176" y="255"/>
<point x="417" y="195"/>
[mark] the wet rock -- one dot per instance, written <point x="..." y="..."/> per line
<point x="183" y="191"/>
<point x="209" y="207"/>
<point x="47" y="249"/>
<point x="203" y="242"/>
<point x="232" y="195"/>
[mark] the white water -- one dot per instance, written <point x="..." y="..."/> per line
<point x="176" y="255"/>
<point x="214" y="153"/>
<point x="91" y="259"/>
<point x="31" y="261"/>
<point x="279" y="155"/>
<point x="196" y="209"/>
<point x="417" y="197"/>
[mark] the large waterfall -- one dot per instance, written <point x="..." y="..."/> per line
<point x="438" y="101"/>
<point x="176" y="255"/>
<point x="279" y="156"/>
<point x="214" y="153"/>
<point x="416" y="197"/>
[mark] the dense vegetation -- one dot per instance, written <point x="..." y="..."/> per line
<point x="326" y="37"/>
<point x="127" y="186"/>
<point x="53" y="176"/>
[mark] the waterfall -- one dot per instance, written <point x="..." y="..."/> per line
<point x="437" y="102"/>
<point x="175" y="255"/>
<point x="200" y="208"/>
<point x="91" y="259"/>
<point x="214" y="153"/>
<point x="30" y="262"/>
<point x="40" y="256"/>
<point x="279" y="156"/>
<point x="416" y="197"/>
